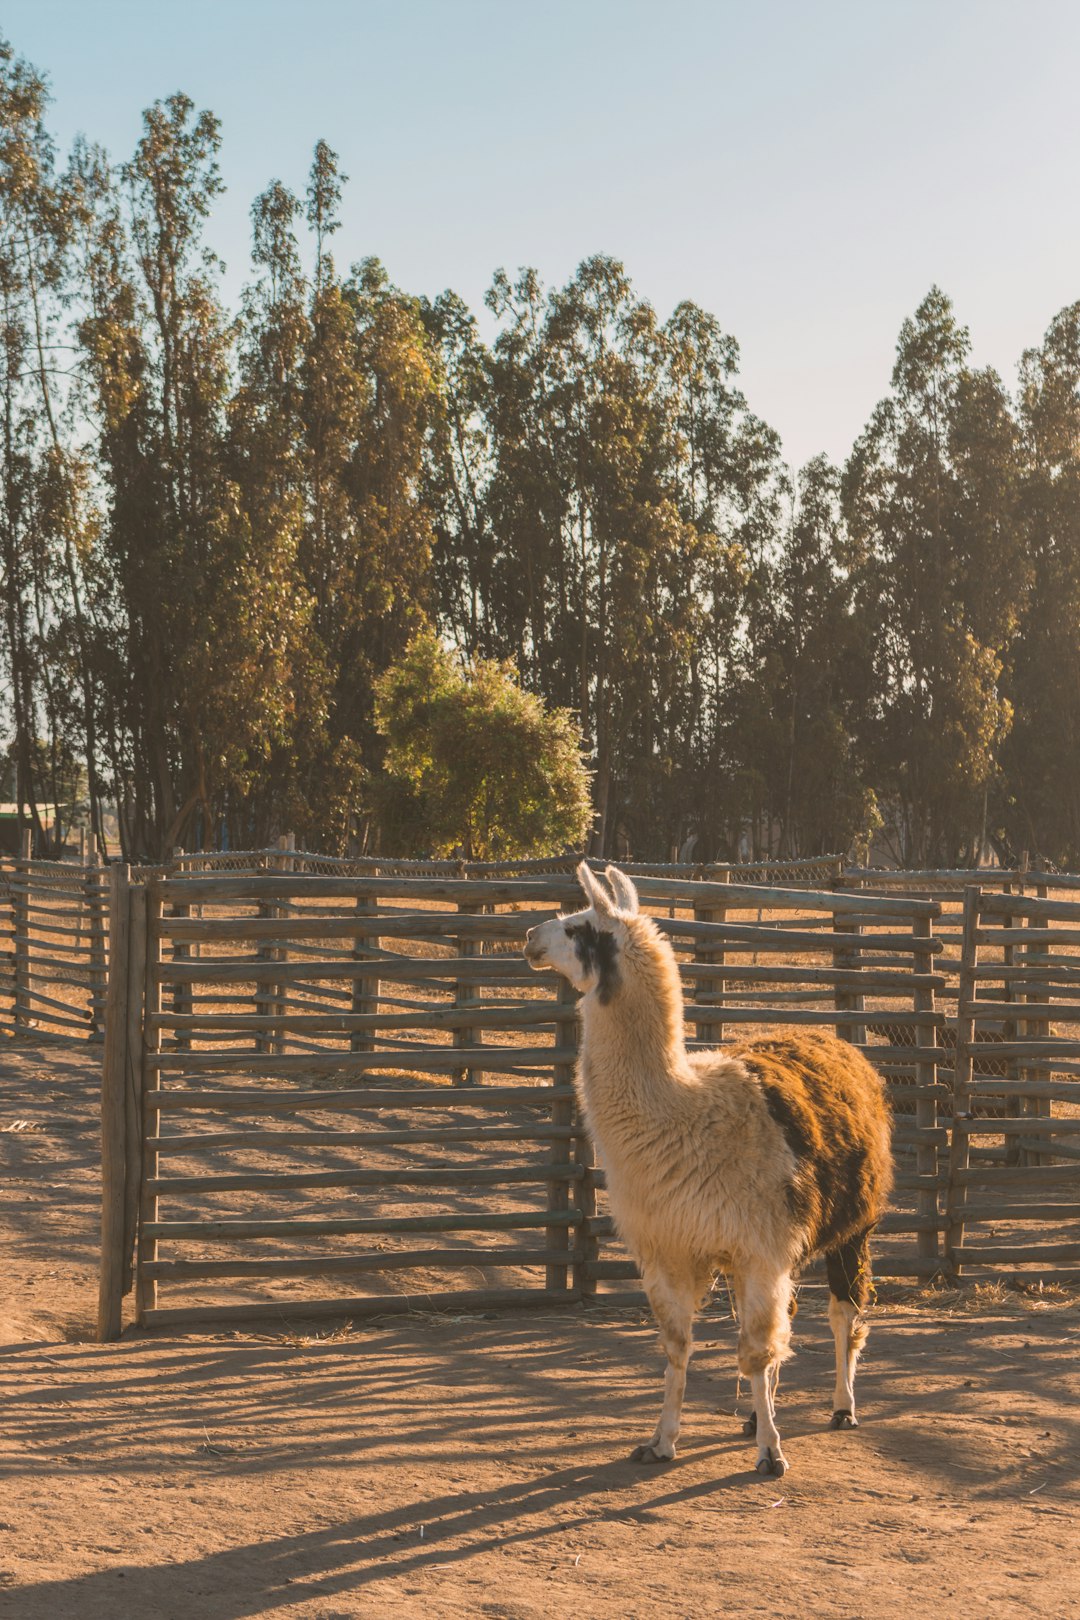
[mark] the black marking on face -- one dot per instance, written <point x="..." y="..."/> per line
<point x="598" y="953"/>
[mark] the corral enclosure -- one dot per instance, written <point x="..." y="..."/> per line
<point x="339" y="1090"/>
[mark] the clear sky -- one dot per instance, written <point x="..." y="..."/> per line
<point x="805" y="169"/>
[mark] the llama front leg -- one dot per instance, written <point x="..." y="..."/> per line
<point x="673" y="1307"/>
<point x="765" y="1342"/>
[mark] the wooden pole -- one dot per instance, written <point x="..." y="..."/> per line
<point x="846" y="958"/>
<point x="182" y="994"/>
<point x="365" y="996"/>
<point x="562" y="1114"/>
<point x="1012" y="1101"/>
<point x="133" y="1074"/>
<point x="268" y="995"/>
<point x="926" y="1113"/>
<point x="144" y="1078"/>
<point x="114" y="1112"/>
<point x="711" y="990"/>
<point x="1041" y="1029"/>
<point x="464" y="994"/>
<point x="959" y="1150"/>
<point x="97" y="904"/>
<point x="21" y="912"/>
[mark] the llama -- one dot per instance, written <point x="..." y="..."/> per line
<point x="747" y="1161"/>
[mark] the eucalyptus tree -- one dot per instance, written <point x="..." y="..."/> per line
<point x="820" y="668"/>
<point x="267" y="680"/>
<point x="460" y="466"/>
<point x="157" y="348"/>
<point x="43" y="504"/>
<point x="1040" y="807"/>
<point x="927" y="495"/>
<point x="733" y="487"/>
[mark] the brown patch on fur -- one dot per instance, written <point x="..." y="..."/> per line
<point x="830" y="1104"/>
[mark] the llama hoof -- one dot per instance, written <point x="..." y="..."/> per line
<point x="772" y="1463"/>
<point x="649" y="1454"/>
<point x="843" y="1420"/>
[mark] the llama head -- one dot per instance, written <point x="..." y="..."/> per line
<point x="586" y="947"/>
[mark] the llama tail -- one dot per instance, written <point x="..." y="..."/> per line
<point x="851" y="1281"/>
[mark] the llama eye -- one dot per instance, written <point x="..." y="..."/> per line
<point x="571" y="933"/>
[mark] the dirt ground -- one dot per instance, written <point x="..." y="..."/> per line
<point x="477" y="1466"/>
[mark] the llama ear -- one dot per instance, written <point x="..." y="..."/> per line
<point x="625" y="894"/>
<point x="595" y="892"/>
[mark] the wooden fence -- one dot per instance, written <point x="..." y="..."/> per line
<point x="54" y="965"/>
<point x="1016" y="1203"/>
<point x="344" y="1070"/>
<point x="305" y="1077"/>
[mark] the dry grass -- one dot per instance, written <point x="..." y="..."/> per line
<point x="1012" y="1296"/>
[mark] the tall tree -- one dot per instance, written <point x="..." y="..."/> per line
<point x="819" y="671"/>
<point x="42" y="501"/>
<point x="1040" y="801"/>
<point x="158" y="348"/>
<point x="930" y="521"/>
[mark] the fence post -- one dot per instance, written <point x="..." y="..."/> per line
<point x="1012" y="1105"/>
<point x="926" y="1110"/>
<point x="1038" y="1029"/>
<point x="143" y="1018"/>
<point x="959" y="1145"/>
<point x="183" y="994"/>
<point x="99" y="966"/>
<point x="710" y="990"/>
<point x="562" y="1114"/>
<point x="365" y="992"/>
<point x="20" y="907"/>
<point x="114" y="1138"/>
<point x="846" y="958"/>
<point x="136" y="1004"/>
<point x="466" y="992"/>
<point x="268" y="1001"/>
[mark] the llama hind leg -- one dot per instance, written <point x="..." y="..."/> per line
<point x="750" y="1424"/>
<point x="673" y="1305"/>
<point x="764" y="1343"/>
<point x="848" y="1269"/>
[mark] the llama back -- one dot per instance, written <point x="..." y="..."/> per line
<point x="830" y="1105"/>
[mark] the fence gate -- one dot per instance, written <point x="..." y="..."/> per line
<point x="324" y="1077"/>
<point x="1014" y="1182"/>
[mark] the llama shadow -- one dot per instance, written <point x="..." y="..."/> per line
<point x="358" y="1553"/>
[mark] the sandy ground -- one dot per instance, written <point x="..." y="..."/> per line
<point x="477" y="1466"/>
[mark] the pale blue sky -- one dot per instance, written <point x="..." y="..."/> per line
<point x="802" y="168"/>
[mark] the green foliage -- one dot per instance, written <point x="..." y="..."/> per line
<point x="222" y="534"/>
<point x="474" y="763"/>
<point x="929" y="497"/>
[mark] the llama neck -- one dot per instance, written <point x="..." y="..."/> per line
<point x="633" y="1048"/>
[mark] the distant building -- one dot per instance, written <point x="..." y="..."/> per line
<point x="9" y="829"/>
